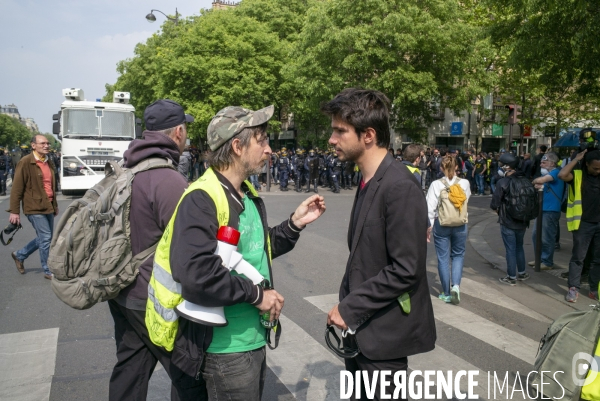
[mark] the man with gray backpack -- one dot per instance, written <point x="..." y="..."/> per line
<point x="105" y="247"/>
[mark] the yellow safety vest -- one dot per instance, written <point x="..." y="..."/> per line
<point x="574" y="209"/>
<point x="164" y="293"/>
<point x="413" y="169"/>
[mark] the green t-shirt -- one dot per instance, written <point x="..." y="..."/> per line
<point x="244" y="331"/>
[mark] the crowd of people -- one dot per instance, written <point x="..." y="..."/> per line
<point x="385" y="309"/>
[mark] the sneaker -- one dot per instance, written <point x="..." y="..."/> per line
<point x="445" y="298"/>
<point x="48" y="276"/>
<point x="455" y="295"/>
<point x="546" y="267"/>
<point x="532" y="263"/>
<point x="564" y="274"/>
<point x="508" y="280"/>
<point x="572" y="295"/>
<point x="523" y="277"/>
<point x="593" y="295"/>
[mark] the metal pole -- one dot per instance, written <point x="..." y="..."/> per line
<point x="538" y="230"/>
<point x="510" y="137"/>
<point x="269" y="175"/>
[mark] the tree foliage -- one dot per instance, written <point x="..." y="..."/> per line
<point x="217" y="59"/>
<point x="416" y="52"/>
<point x="549" y="50"/>
<point x="13" y="132"/>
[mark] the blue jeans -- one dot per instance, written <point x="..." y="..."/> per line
<point x="449" y="243"/>
<point x="515" y="254"/>
<point x="479" y="179"/>
<point x="44" y="227"/>
<point x="254" y="181"/>
<point x="549" y="229"/>
<point x="493" y="183"/>
<point x="238" y="376"/>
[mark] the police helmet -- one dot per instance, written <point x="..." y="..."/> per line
<point x="284" y="149"/>
<point x="284" y="153"/>
<point x="508" y="159"/>
<point x="299" y="152"/>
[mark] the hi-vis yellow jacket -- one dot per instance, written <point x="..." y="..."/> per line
<point x="574" y="209"/>
<point x="164" y="293"/>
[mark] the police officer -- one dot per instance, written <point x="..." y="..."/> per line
<point x="299" y="167"/>
<point x="311" y="165"/>
<point x="336" y="171"/>
<point x="323" y="168"/>
<point x="284" y="170"/>
<point x="347" y="177"/>
<point x="5" y="166"/>
<point x="274" y="166"/>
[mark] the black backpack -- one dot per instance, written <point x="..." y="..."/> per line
<point x="522" y="199"/>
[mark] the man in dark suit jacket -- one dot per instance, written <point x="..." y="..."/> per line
<point x="387" y="239"/>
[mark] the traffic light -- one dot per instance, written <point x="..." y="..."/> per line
<point x="514" y="112"/>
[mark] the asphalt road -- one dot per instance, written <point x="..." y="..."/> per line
<point x="495" y="328"/>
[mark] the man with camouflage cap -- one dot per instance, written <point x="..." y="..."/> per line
<point x="231" y="358"/>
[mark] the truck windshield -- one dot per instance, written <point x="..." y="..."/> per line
<point x="98" y="123"/>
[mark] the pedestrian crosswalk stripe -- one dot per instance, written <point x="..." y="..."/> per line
<point x="487" y="293"/>
<point x="305" y="367"/>
<point x="438" y="359"/>
<point x="27" y="363"/>
<point x="495" y="335"/>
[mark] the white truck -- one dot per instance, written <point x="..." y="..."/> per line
<point x="92" y="133"/>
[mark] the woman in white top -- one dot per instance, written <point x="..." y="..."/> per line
<point x="449" y="242"/>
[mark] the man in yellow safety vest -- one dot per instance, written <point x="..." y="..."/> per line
<point x="583" y="218"/>
<point x="231" y="358"/>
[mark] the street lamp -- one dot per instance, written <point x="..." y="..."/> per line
<point x="152" y="18"/>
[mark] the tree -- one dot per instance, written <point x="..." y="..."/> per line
<point x="416" y="52"/>
<point x="552" y="46"/>
<point x="12" y="132"/>
<point x="217" y="59"/>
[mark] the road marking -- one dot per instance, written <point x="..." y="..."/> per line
<point x="438" y="359"/>
<point x="27" y="362"/>
<point x="495" y="335"/>
<point x="486" y="293"/>
<point x="305" y="367"/>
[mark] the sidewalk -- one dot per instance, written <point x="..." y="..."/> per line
<point x="486" y="239"/>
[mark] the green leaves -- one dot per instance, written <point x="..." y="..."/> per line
<point x="12" y="131"/>
<point x="413" y="51"/>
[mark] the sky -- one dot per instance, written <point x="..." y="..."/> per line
<point x="46" y="46"/>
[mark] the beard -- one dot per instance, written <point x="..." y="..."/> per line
<point x="248" y="169"/>
<point x="351" y="154"/>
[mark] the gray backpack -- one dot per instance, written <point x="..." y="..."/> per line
<point x="570" y="334"/>
<point x="90" y="255"/>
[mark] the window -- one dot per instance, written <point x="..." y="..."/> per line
<point x="98" y="123"/>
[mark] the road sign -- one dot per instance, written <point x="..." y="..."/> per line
<point x="456" y="128"/>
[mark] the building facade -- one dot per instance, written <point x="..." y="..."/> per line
<point x="12" y="110"/>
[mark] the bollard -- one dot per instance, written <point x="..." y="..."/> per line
<point x="538" y="230"/>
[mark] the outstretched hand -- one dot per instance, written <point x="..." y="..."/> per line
<point x="308" y="211"/>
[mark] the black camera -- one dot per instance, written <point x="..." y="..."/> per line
<point x="10" y="229"/>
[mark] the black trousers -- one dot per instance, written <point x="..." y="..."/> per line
<point x="588" y="235"/>
<point x="137" y="357"/>
<point x="361" y="362"/>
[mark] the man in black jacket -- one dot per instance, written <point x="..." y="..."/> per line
<point x="387" y="239"/>
<point x="513" y="231"/>
<point x="154" y="195"/>
<point x="234" y="362"/>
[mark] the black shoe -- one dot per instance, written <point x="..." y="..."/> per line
<point x="564" y="274"/>
<point x="336" y="191"/>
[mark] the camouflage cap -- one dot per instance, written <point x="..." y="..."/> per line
<point x="231" y="120"/>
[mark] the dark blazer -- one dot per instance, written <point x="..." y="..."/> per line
<point x="388" y="258"/>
